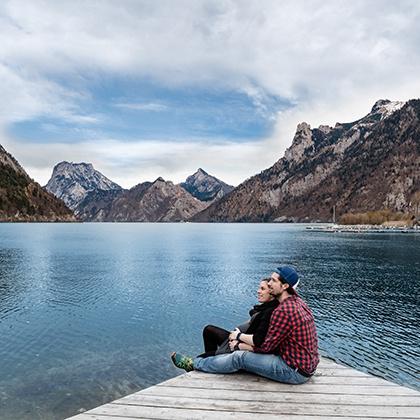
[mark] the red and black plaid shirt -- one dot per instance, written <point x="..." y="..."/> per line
<point x="292" y="335"/>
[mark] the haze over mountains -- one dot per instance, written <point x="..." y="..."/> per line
<point x="369" y="164"/>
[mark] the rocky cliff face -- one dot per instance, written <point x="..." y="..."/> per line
<point x="24" y="200"/>
<point x="160" y="201"/>
<point x="206" y="187"/>
<point x="73" y="181"/>
<point x="370" y="164"/>
<point x="96" y="205"/>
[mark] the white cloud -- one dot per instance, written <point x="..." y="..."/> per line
<point x="131" y="163"/>
<point x="331" y="59"/>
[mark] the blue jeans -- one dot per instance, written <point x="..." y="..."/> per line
<point x="267" y="365"/>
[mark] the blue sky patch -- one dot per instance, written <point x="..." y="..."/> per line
<point x="131" y="110"/>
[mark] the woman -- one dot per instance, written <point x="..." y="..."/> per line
<point x="218" y="340"/>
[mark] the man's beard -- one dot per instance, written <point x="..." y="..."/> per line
<point x="274" y="294"/>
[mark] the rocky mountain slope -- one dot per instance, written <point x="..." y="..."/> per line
<point x="73" y="181"/>
<point x="160" y="201"/>
<point x="206" y="187"/>
<point x="24" y="200"/>
<point x="370" y="164"/>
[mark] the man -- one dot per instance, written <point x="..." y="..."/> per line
<point x="289" y="352"/>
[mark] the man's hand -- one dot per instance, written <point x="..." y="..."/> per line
<point x="234" y="334"/>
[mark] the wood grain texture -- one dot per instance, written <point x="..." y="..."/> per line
<point x="336" y="392"/>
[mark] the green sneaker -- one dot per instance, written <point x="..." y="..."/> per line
<point x="182" y="362"/>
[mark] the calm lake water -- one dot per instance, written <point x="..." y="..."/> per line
<point x="90" y="312"/>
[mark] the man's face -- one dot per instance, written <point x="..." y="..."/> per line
<point x="275" y="285"/>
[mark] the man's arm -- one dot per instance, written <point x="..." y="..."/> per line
<point x="237" y="345"/>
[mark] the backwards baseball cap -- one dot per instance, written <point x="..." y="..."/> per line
<point x="288" y="275"/>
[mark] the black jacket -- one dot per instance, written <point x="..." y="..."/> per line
<point x="260" y="320"/>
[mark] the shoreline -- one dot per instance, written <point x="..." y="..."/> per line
<point x="335" y="228"/>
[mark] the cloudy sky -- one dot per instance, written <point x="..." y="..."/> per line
<point x="143" y="89"/>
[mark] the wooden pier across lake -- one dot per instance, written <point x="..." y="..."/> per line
<point x="335" y="392"/>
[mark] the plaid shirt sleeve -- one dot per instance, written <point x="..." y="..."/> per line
<point x="280" y="327"/>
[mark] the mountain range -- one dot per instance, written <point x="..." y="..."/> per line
<point x="369" y="164"/>
<point x="158" y="201"/>
<point x="95" y="198"/>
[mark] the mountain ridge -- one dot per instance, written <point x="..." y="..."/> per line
<point x="342" y="166"/>
<point x="24" y="200"/>
<point x="71" y="182"/>
<point x="158" y="201"/>
<point x="205" y="187"/>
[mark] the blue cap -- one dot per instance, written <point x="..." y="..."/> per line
<point x="288" y="275"/>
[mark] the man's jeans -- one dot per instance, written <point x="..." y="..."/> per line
<point x="267" y="365"/>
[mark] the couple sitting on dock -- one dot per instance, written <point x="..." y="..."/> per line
<point x="278" y="342"/>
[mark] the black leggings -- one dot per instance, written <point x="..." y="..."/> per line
<point x="213" y="337"/>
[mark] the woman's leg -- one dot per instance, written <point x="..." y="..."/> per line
<point x="213" y="337"/>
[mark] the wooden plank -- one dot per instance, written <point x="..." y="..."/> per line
<point x="330" y="371"/>
<point x="317" y="379"/>
<point x="325" y="362"/>
<point x="290" y="397"/>
<point x="340" y="372"/>
<point x="257" y="407"/>
<point x="321" y="380"/>
<point x="307" y="388"/>
<point x="185" y="414"/>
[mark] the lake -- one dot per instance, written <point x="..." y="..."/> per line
<point x="90" y="312"/>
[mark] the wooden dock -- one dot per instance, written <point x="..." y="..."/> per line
<point x="335" y="392"/>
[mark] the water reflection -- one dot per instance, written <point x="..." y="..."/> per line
<point x="89" y="313"/>
<point x="12" y="286"/>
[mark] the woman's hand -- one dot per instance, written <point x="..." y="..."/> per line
<point x="234" y="334"/>
<point x="232" y="344"/>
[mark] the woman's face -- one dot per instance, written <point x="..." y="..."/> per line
<point x="264" y="293"/>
